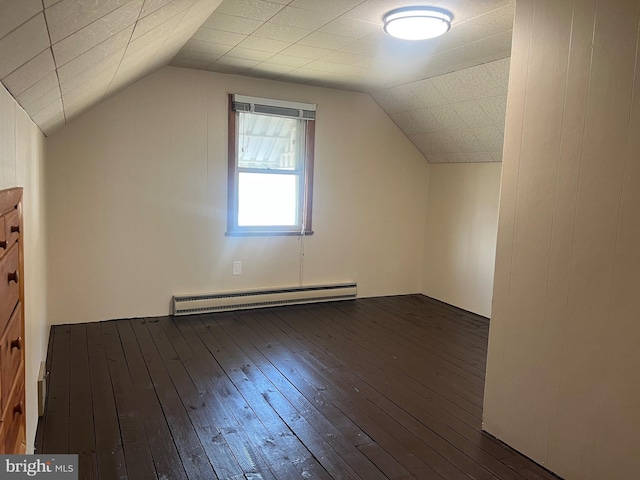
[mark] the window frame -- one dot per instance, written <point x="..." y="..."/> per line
<point x="233" y="229"/>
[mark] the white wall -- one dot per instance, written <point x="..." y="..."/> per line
<point x="22" y="152"/>
<point x="460" y="234"/>
<point x="136" y="196"/>
<point x="564" y="358"/>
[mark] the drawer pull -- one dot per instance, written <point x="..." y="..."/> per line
<point x="17" y="343"/>
<point x="12" y="277"/>
<point x="3" y="244"/>
<point x="15" y="229"/>
<point x="17" y="410"/>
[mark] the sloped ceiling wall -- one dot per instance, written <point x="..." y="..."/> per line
<point x="453" y="118"/>
<point x="341" y="43"/>
<point x="59" y="58"/>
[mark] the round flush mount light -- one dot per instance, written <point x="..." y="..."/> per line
<point x="417" y="23"/>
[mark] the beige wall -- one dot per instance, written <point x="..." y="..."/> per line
<point x="564" y="358"/>
<point x="136" y="195"/>
<point x="22" y="151"/>
<point x="460" y="234"/>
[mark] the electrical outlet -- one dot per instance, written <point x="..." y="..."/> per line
<point x="237" y="268"/>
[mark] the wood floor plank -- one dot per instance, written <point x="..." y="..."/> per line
<point x="137" y="452"/>
<point x="386" y="376"/>
<point x="318" y="435"/>
<point x="368" y="416"/>
<point x="401" y="337"/>
<point x="161" y="444"/>
<point x="81" y="427"/>
<point x="197" y="403"/>
<point x="442" y="422"/>
<point x="528" y="469"/>
<point x="191" y="452"/>
<point x="430" y="381"/>
<point x="56" y="423"/>
<point x="109" y="449"/>
<point x="466" y="456"/>
<point x="411" y="440"/>
<point x="372" y="389"/>
<point x="415" y="329"/>
<point x="281" y="434"/>
<point x="301" y="426"/>
<point x="234" y="421"/>
<point x="336" y="417"/>
<point x="450" y="423"/>
<point x="40" y="428"/>
<point x="385" y="462"/>
<point x="387" y="351"/>
<point x="476" y="445"/>
<point x="248" y="434"/>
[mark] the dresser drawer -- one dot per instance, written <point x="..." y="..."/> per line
<point x="9" y="285"/>
<point x="4" y="246"/>
<point x="11" y="345"/>
<point x="12" y="359"/>
<point x="13" y="421"/>
<point x="11" y="227"/>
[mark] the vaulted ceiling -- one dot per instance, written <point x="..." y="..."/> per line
<point x="58" y="58"/>
<point x="341" y="43"/>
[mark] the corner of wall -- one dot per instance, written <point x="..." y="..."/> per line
<point x="460" y="234"/>
<point x="22" y="163"/>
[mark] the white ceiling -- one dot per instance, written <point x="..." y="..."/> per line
<point x="341" y="43"/>
<point x="457" y="117"/>
<point x="58" y="58"/>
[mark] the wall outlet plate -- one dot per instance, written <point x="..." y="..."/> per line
<point x="237" y="267"/>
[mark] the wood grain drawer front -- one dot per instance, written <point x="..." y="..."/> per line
<point x="11" y="346"/>
<point x="4" y="246"/>
<point x="9" y="285"/>
<point x="13" y="421"/>
<point x="11" y="227"/>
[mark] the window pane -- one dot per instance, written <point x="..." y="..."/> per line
<point x="268" y="142"/>
<point x="267" y="199"/>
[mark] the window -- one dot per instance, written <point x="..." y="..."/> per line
<point x="270" y="166"/>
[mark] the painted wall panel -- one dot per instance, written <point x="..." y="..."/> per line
<point x="596" y="225"/>
<point x="617" y="442"/>
<point x="22" y="152"/>
<point x="561" y="369"/>
<point x="538" y="165"/>
<point x="7" y="133"/>
<point x="460" y="234"/>
<point x="560" y="253"/>
<point x="508" y="196"/>
<point x="137" y="192"/>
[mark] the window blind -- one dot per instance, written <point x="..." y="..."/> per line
<point x="280" y="108"/>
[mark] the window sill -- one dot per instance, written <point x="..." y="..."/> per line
<point x="263" y="233"/>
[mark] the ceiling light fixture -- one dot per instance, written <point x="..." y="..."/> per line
<point x="417" y="23"/>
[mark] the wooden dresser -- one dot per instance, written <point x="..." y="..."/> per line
<point x="12" y="399"/>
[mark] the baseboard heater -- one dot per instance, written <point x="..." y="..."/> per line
<point x="272" y="297"/>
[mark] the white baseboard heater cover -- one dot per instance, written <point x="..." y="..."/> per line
<point x="272" y="297"/>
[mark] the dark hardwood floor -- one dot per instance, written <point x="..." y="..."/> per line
<point x="368" y="389"/>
